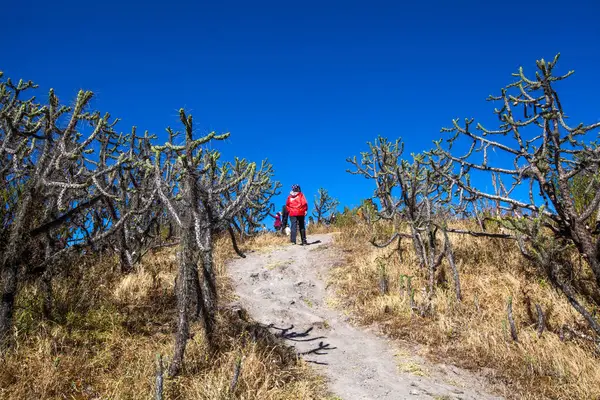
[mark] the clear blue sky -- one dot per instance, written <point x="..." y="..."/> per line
<point x="304" y="84"/>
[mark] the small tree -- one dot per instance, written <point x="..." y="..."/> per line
<point x="324" y="204"/>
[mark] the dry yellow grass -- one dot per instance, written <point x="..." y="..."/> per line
<point x="473" y="333"/>
<point x="109" y="330"/>
<point x="261" y="242"/>
<point x="320" y="228"/>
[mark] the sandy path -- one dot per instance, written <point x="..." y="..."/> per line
<point x="286" y="288"/>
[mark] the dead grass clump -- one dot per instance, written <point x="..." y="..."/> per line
<point x="264" y="242"/>
<point x="133" y="288"/>
<point x="107" y="330"/>
<point x="314" y="229"/>
<point x="475" y="332"/>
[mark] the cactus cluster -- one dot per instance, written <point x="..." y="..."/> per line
<point x="74" y="186"/>
<point x="412" y="194"/>
<point x="546" y="191"/>
<point x="544" y="178"/>
<point x="324" y="204"/>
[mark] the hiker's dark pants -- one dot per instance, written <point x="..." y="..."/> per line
<point x="284" y="221"/>
<point x="298" y="223"/>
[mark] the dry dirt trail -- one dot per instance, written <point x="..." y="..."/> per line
<point x="286" y="288"/>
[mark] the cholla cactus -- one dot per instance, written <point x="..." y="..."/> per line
<point x="202" y="197"/>
<point x="324" y="204"/>
<point x="74" y="184"/>
<point x="413" y="193"/>
<point x="367" y="210"/>
<point x="62" y="167"/>
<point x="544" y="158"/>
<point x="247" y="220"/>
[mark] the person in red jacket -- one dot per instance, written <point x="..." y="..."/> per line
<point x="297" y="208"/>
<point x="277" y="224"/>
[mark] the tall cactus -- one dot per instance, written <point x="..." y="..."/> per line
<point x="324" y="204"/>
<point x="202" y="197"/>
<point x="544" y="178"/>
<point x="69" y="188"/>
<point x="247" y="220"/>
<point x="414" y="193"/>
<point x="61" y="185"/>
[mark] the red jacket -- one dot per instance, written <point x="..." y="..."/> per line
<point x="296" y="204"/>
<point x="277" y="220"/>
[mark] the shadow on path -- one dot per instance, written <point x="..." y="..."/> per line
<point x="292" y="335"/>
